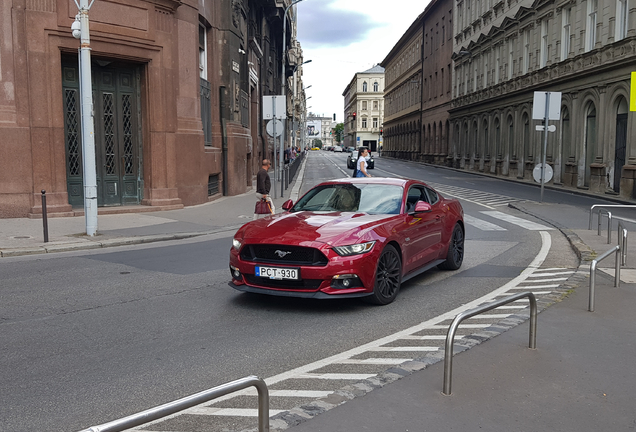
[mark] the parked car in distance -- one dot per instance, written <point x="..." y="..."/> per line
<point x="315" y="148"/>
<point x="337" y="149"/>
<point x="350" y="149"/>
<point x="353" y="237"/>
<point x="353" y="158"/>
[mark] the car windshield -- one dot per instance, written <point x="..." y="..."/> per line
<point x="367" y="198"/>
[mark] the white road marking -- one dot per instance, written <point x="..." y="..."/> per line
<point x="532" y="226"/>
<point x="336" y="376"/>
<point x="234" y="412"/>
<point x="429" y="337"/>
<point x="404" y="349"/>
<point x="551" y="274"/>
<point x="376" y="361"/>
<point x="482" y="224"/>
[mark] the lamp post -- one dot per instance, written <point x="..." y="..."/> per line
<point x="284" y="92"/>
<point x="80" y="31"/>
<point x="294" y="104"/>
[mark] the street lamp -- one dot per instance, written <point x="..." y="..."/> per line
<point x="284" y="86"/>
<point x="80" y="31"/>
<point x="294" y="101"/>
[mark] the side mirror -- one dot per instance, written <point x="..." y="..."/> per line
<point x="422" y="207"/>
<point x="289" y="204"/>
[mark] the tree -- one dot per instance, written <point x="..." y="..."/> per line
<point x="317" y="143"/>
<point x="339" y="130"/>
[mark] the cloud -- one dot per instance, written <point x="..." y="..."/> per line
<point x="320" y="25"/>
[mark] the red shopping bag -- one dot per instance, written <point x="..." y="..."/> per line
<point x="263" y="207"/>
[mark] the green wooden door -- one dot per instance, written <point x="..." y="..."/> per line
<point x="117" y="134"/>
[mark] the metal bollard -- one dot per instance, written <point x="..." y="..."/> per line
<point x="44" y="218"/>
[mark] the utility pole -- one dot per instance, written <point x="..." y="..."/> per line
<point x="80" y="31"/>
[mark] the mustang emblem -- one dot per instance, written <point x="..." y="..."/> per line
<point x="282" y="254"/>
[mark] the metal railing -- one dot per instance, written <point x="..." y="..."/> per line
<point x="450" y="336"/>
<point x="193" y="400"/>
<point x="606" y="206"/>
<point x="621" y="258"/>
<point x="602" y="211"/>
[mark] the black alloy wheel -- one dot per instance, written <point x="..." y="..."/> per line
<point x="388" y="277"/>
<point x="455" y="255"/>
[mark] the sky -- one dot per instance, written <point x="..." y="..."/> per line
<point x="343" y="37"/>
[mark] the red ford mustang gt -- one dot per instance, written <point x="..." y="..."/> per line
<point x="353" y="237"/>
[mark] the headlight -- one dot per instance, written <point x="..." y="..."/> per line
<point x="355" y="249"/>
<point x="236" y="244"/>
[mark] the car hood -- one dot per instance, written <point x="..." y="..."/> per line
<point x="303" y="228"/>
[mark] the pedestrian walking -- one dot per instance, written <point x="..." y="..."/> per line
<point x="361" y="165"/>
<point x="263" y="185"/>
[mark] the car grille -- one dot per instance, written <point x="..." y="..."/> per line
<point x="302" y="284"/>
<point x="283" y="255"/>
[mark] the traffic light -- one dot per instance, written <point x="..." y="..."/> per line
<point x="354" y="115"/>
<point x="380" y="131"/>
<point x="334" y="116"/>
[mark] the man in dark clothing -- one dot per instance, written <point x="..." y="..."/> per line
<point x="263" y="185"/>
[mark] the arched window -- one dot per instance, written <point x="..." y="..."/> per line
<point x="364" y="86"/>
<point x="375" y="86"/>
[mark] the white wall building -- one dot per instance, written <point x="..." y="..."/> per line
<point x="364" y="109"/>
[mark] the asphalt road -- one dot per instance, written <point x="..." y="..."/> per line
<point x="89" y="337"/>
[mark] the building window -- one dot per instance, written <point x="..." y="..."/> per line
<point x="364" y="122"/>
<point x="485" y="77"/>
<point x="203" y="68"/>
<point x="497" y="63"/>
<point x="526" y="51"/>
<point x="375" y="122"/>
<point x="544" y="44"/>
<point x="511" y="59"/>
<point x="364" y="105"/>
<point x="622" y="24"/>
<point x="364" y="86"/>
<point x="375" y="86"/>
<point x="592" y="8"/>
<point x="565" y="34"/>
<point x="375" y="105"/>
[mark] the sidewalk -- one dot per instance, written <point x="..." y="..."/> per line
<point x="25" y="236"/>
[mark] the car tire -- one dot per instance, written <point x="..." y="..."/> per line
<point x="455" y="254"/>
<point x="388" y="277"/>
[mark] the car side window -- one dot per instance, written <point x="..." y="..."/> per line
<point x="415" y="194"/>
<point x="433" y="198"/>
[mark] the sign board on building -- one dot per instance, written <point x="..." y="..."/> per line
<point x="538" y="106"/>
<point x="235" y="67"/>
<point x="274" y="103"/>
<point x="632" y="93"/>
<point x="314" y="128"/>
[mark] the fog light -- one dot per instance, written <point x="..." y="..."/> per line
<point x="345" y="281"/>
<point x="236" y="273"/>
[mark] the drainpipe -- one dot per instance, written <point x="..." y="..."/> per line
<point x="223" y="115"/>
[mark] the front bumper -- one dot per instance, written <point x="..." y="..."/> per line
<point x="315" y="281"/>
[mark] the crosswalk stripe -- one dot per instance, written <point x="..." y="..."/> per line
<point x="550" y="274"/>
<point x="428" y="337"/>
<point x="336" y="376"/>
<point x="482" y="224"/>
<point x="234" y="412"/>
<point x="407" y="348"/>
<point x="376" y="361"/>
<point x="533" y="226"/>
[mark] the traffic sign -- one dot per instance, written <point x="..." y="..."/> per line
<point x="270" y="128"/>
<point x="547" y="176"/>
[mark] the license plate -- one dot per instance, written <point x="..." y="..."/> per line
<point x="277" y="273"/>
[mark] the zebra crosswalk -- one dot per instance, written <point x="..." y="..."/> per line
<point x="485" y="225"/>
<point x="481" y="198"/>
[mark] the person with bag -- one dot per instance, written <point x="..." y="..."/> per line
<point x="263" y="186"/>
<point x="361" y="165"/>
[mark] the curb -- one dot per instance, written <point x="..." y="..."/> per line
<point x="123" y="241"/>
